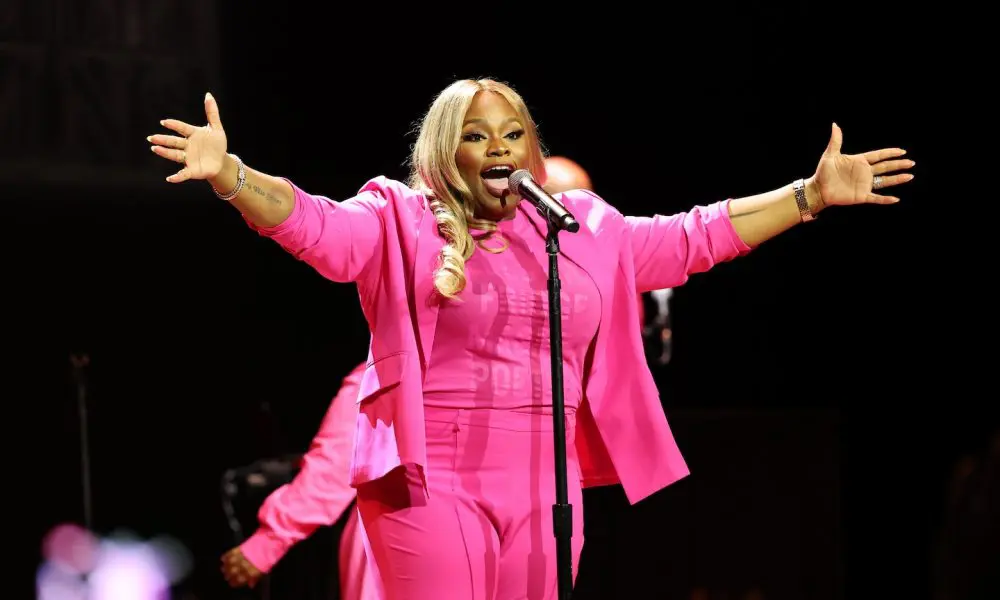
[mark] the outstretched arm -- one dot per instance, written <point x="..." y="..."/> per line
<point x="666" y="250"/>
<point x="264" y="200"/>
<point x="839" y="180"/>
<point x="339" y="239"/>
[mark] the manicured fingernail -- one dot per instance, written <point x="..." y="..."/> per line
<point x="149" y="138"/>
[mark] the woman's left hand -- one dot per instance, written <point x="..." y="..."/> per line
<point x="844" y="179"/>
<point x="239" y="571"/>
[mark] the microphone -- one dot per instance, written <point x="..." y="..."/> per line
<point x="524" y="186"/>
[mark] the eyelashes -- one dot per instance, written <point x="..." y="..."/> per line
<point x="478" y="137"/>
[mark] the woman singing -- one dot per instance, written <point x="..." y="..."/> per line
<point x="453" y="453"/>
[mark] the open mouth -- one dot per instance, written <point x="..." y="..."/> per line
<point x="496" y="179"/>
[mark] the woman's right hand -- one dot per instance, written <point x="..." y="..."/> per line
<point x="200" y="149"/>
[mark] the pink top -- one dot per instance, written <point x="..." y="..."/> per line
<point x="491" y="348"/>
<point x="320" y="492"/>
<point x="386" y="240"/>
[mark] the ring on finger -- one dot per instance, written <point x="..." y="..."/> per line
<point x="877" y="182"/>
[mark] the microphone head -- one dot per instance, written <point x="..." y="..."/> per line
<point x="517" y="178"/>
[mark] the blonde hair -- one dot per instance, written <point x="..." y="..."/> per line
<point x="433" y="172"/>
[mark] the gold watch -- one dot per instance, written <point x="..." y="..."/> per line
<point x="800" y="199"/>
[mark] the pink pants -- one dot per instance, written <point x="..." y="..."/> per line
<point x="357" y="582"/>
<point x="484" y="530"/>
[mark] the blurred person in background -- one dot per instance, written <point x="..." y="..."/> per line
<point x="318" y="496"/>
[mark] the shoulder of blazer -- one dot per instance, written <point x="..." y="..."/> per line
<point x="594" y="212"/>
<point x="403" y="200"/>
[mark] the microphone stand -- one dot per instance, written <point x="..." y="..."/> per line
<point x="79" y="363"/>
<point x="557" y="218"/>
<point x="562" y="510"/>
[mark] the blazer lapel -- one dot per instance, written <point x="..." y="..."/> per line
<point x="426" y="300"/>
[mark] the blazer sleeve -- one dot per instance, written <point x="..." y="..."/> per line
<point x="667" y="250"/>
<point x="339" y="239"/>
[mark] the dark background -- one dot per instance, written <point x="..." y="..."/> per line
<point x="822" y="388"/>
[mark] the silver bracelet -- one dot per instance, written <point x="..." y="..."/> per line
<point x="241" y="178"/>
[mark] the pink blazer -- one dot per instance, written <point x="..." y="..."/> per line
<point x="385" y="239"/>
<point x="321" y="491"/>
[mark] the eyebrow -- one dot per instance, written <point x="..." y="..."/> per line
<point x="483" y="121"/>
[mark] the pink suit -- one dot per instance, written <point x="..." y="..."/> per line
<point x="386" y="240"/>
<point x="317" y="497"/>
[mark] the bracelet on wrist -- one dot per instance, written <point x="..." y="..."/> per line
<point x="241" y="178"/>
<point x="805" y="212"/>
